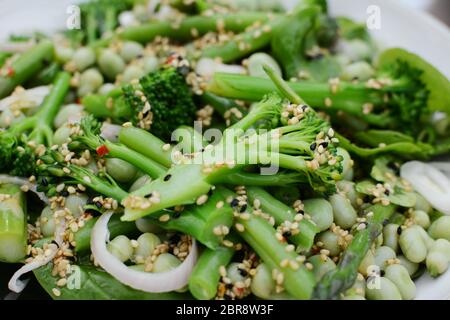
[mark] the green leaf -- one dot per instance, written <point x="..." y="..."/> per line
<point x="435" y="81"/>
<point x="95" y="284"/>
<point x="381" y="172"/>
<point x="399" y="196"/>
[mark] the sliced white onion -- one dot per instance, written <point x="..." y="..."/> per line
<point x="17" y="285"/>
<point x="149" y="282"/>
<point x="206" y="67"/>
<point x="442" y="166"/>
<point x="110" y="131"/>
<point x="25" y="99"/>
<point x="23" y="181"/>
<point x="431" y="183"/>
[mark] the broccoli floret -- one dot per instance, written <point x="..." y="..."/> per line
<point x="161" y="102"/>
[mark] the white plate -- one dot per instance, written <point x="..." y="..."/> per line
<point x="400" y="27"/>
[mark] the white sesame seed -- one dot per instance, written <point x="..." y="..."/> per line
<point x="56" y="292"/>
<point x="202" y="199"/>
<point x="164" y="218"/>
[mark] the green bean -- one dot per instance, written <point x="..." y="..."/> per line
<point x="121" y="248"/>
<point x="151" y="64"/>
<point x="83" y="58"/>
<point x="422" y="203"/>
<point x="367" y="263"/>
<point x="205" y="277"/>
<point x="343" y="211"/>
<point x="347" y="164"/>
<point x="399" y="275"/>
<point x="106" y="89"/>
<point x="132" y="72"/>
<point x="130" y="50"/>
<point x="382" y="255"/>
<point x="360" y="70"/>
<point x="256" y="62"/>
<point x="66" y="113"/>
<point x="321" y="265"/>
<point x="410" y="266"/>
<point x="330" y="241"/>
<point x="75" y="204"/>
<point x="140" y="182"/>
<point x="321" y="212"/>
<point x="391" y="236"/>
<point x="348" y="189"/>
<point x="165" y="262"/>
<point x="13" y="224"/>
<point x="263" y="284"/>
<point x="47" y="222"/>
<point x="147" y="242"/>
<point x="26" y="66"/>
<point x="412" y="245"/>
<point x="120" y="170"/>
<point x="440" y="228"/>
<point x="421" y="218"/>
<point x="386" y="291"/>
<point x="438" y="258"/>
<point x="90" y="80"/>
<point x="111" y="64"/>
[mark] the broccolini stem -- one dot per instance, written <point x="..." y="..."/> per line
<point x="91" y="24"/>
<point x="281" y="213"/>
<point x="343" y="277"/>
<point x="256" y="179"/>
<point x="183" y="31"/>
<point x="26" y="66"/>
<point x="227" y="108"/>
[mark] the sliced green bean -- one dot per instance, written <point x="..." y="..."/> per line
<point x="386" y="291"/>
<point x="410" y="266"/>
<point x="440" y="228"/>
<point x="382" y="255"/>
<point x="321" y="212"/>
<point x="421" y="218"/>
<point x="412" y="245"/>
<point x="121" y="248"/>
<point x="391" y="236"/>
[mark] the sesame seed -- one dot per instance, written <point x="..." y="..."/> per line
<point x="24" y="188"/>
<point x="166" y="147"/>
<point x="217" y="231"/>
<point x="239" y="227"/>
<point x="284" y="263"/>
<point x="127" y="125"/>
<point x="219" y="204"/>
<point x="202" y="199"/>
<point x="164" y="218"/>
<point x="134" y="243"/>
<point x="56" y="292"/>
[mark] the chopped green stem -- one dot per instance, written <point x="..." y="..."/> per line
<point x="189" y="140"/>
<point x="257" y="179"/>
<point x="282" y="86"/>
<point x="281" y="213"/>
<point x="205" y="277"/>
<point x="182" y="31"/>
<point x="343" y="277"/>
<point x="26" y="66"/>
<point x="260" y="235"/>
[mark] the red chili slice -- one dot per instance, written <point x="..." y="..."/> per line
<point x="102" y="151"/>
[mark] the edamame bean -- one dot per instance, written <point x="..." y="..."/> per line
<point x="390" y="236"/>
<point x="386" y="290"/>
<point x="347" y="164"/>
<point x="410" y="266"/>
<point x="438" y="258"/>
<point x="151" y="64"/>
<point x="440" y="228"/>
<point x="147" y="242"/>
<point x="165" y="262"/>
<point x="75" y="204"/>
<point x="106" y="88"/>
<point x="146" y="225"/>
<point x="366" y="263"/>
<point x="92" y="166"/>
<point x="130" y="50"/>
<point x="355" y="50"/>
<point x="132" y="72"/>
<point x="256" y="62"/>
<point x="343" y="211"/>
<point x="111" y="64"/>
<point x="348" y="189"/>
<point x="412" y="245"/>
<point x="140" y="182"/>
<point x="83" y="58"/>
<point x="320" y="211"/>
<point x="429" y="242"/>
<point x="62" y="135"/>
<point x="120" y="170"/>
<point x="421" y="218"/>
<point x="90" y="81"/>
<point x="121" y="248"/>
<point x="263" y="284"/>
<point x="321" y="265"/>
<point x="382" y="255"/>
<point x="360" y="70"/>
<point x="358" y="288"/>
<point x="399" y="275"/>
<point x="234" y="273"/>
<point x="68" y="114"/>
<point x="64" y="54"/>
<point x="422" y="203"/>
<point x="47" y="222"/>
<point x="330" y="242"/>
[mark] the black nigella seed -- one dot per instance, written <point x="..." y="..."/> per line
<point x="399" y="230"/>
<point x="229" y="286"/>
<point x="301" y="211"/>
<point x="175" y="238"/>
<point x="44" y="182"/>
<point x="65" y="193"/>
<point x="55" y="243"/>
<point x="287" y="234"/>
<point x="366" y="198"/>
<point x="243" y="272"/>
<point x="387" y="192"/>
<point x="304" y="107"/>
<point x="176" y="215"/>
<point x="148" y="195"/>
<point x="234" y="202"/>
<point x="385" y="222"/>
<point x="98" y="204"/>
<point x="243" y="208"/>
<point x="210" y="192"/>
<point x="324" y="144"/>
<point x="313" y="146"/>
<point x="167" y="177"/>
<point x="382" y="273"/>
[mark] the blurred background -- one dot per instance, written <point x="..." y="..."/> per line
<point x="438" y="8"/>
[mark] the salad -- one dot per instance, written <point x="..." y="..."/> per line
<point x="215" y="149"/>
